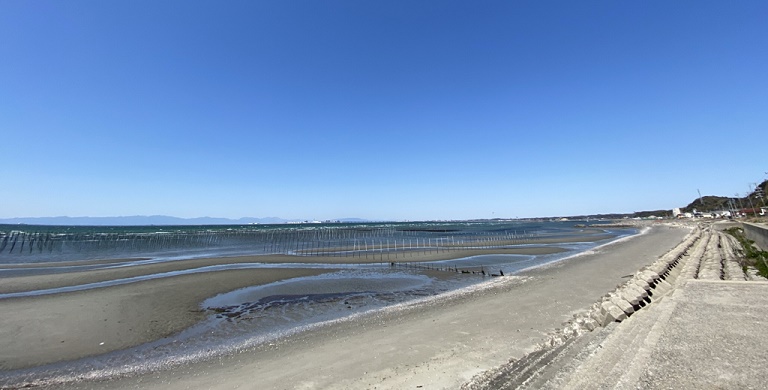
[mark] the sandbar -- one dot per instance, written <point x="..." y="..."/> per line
<point x="54" y="280"/>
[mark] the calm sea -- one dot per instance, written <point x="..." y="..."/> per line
<point x="32" y="243"/>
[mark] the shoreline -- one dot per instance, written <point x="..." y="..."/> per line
<point x="245" y="275"/>
<point x="640" y="232"/>
<point x="60" y="327"/>
<point x="441" y="343"/>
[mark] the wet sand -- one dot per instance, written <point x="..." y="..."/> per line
<point x="437" y="344"/>
<point x="60" y="327"/>
<point x="55" y="280"/>
<point x="51" y="328"/>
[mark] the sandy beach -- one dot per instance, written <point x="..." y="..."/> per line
<point x="434" y="343"/>
<point x="60" y="327"/>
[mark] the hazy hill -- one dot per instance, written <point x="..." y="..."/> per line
<point x="139" y="220"/>
<point x="705" y="203"/>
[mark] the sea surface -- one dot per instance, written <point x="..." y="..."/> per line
<point x="35" y="243"/>
<point x="259" y="315"/>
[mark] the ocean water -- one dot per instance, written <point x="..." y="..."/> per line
<point x="31" y="243"/>
<point x="258" y="315"/>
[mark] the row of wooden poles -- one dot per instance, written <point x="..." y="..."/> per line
<point x="384" y="243"/>
<point x="477" y="270"/>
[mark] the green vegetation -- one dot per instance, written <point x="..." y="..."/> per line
<point x="708" y="203"/>
<point x="752" y="256"/>
<point x="754" y="199"/>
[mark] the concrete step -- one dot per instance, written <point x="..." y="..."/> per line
<point x="711" y="263"/>
<point x="603" y="366"/>
<point x="732" y="270"/>
<point x="693" y="261"/>
<point x="560" y="366"/>
<point x="635" y="340"/>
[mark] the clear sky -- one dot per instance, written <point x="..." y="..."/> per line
<point x="385" y="110"/>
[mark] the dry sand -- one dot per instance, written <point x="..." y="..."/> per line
<point x="433" y="345"/>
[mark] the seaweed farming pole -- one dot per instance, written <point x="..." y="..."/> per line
<point x="35" y="242"/>
<point x="31" y="242"/>
<point x="299" y="237"/>
<point x="23" y="240"/>
<point x="323" y="246"/>
<point x="49" y="242"/>
<point x="6" y="238"/>
<point x="275" y="242"/>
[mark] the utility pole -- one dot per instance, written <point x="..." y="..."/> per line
<point x="760" y="193"/>
<point x="750" y="202"/>
<point x="701" y="203"/>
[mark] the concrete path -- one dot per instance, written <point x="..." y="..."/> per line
<point x="702" y="327"/>
<point x="713" y="338"/>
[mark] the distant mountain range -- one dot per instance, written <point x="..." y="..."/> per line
<point x="756" y="198"/>
<point x="139" y="220"/>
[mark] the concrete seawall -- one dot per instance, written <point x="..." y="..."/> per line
<point x="692" y="320"/>
<point x="756" y="233"/>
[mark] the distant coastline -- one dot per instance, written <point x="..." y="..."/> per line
<point x="148" y="220"/>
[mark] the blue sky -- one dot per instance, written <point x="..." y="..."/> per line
<point x="388" y="110"/>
